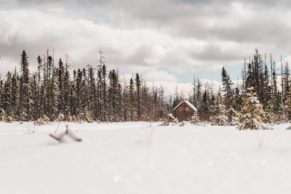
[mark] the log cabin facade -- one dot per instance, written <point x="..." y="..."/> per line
<point x="184" y="111"/>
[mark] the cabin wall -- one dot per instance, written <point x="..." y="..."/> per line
<point x="183" y="112"/>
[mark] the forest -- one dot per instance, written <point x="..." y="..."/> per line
<point x="91" y="94"/>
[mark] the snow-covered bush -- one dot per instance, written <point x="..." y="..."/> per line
<point x="69" y="118"/>
<point x="267" y="117"/>
<point x="170" y="120"/>
<point x="42" y="121"/>
<point x="24" y="116"/>
<point x="232" y="116"/>
<point x="89" y="117"/>
<point x="195" y="119"/>
<point x="9" y="119"/>
<point x="61" y="117"/>
<point x="45" y="118"/>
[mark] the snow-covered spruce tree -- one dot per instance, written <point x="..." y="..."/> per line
<point x="61" y="87"/>
<point x="278" y="108"/>
<point x="8" y="95"/>
<point x="138" y="95"/>
<point x="237" y="100"/>
<point x="15" y="96"/>
<point x="54" y="98"/>
<point x="34" y="98"/>
<point x="119" y="102"/>
<point x="269" y="113"/>
<point x="99" y="107"/>
<point x="92" y="105"/>
<point x="146" y="108"/>
<point x="204" y="110"/>
<point x="104" y="94"/>
<point x="252" y="113"/>
<point x="113" y="96"/>
<point x="1" y="94"/>
<point x="79" y="96"/>
<point x="131" y="100"/>
<point x="84" y="96"/>
<point x="88" y="116"/>
<point x="218" y="111"/>
<point x="25" y="92"/>
<point x="197" y="93"/>
<point x="124" y="104"/>
<point x="227" y="89"/>
<point x="67" y="96"/>
<point x="163" y="108"/>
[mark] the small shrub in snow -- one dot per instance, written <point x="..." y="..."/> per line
<point x="61" y="117"/>
<point x="9" y="119"/>
<point x="45" y="118"/>
<point x="170" y="120"/>
<point x="195" y="119"/>
<point x="182" y="124"/>
<point x="24" y="116"/>
<point x="89" y="117"/>
<point x="42" y="121"/>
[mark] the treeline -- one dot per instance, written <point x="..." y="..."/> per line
<point x="86" y="94"/>
<point x="271" y="83"/>
<point x="90" y="94"/>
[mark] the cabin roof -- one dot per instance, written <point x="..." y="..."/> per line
<point x="188" y="103"/>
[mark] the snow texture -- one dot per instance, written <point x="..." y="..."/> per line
<point x="133" y="158"/>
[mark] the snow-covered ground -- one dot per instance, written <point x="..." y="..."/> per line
<point x="133" y="158"/>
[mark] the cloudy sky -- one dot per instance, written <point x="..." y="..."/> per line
<point x="167" y="41"/>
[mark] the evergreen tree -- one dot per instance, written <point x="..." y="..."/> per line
<point x="104" y="102"/>
<point x="54" y="96"/>
<point x="131" y="96"/>
<point x="15" y="91"/>
<point x="138" y="89"/>
<point x="218" y="111"/>
<point x="67" y="96"/>
<point x="93" y="106"/>
<point x="61" y="87"/>
<point x="34" y="98"/>
<point x="7" y="93"/>
<point x="227" y="89"/>
<point x="204" y="110"/>
<point x="251" y="116"/>
<point x="25" y="92"/>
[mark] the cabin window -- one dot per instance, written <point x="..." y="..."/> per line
<point x="180" y="109"/>
<point x="187" y="109"/>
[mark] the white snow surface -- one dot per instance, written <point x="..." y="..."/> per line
<point x="134" y="158"/>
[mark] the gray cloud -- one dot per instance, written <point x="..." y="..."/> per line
<point x="172" y="34"/>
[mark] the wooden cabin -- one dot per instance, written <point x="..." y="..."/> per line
<point x="184" y="111"/>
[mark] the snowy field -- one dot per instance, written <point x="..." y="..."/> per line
<point x="134" y="158"/>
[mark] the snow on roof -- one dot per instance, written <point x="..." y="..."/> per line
<point x="188" y="103"/>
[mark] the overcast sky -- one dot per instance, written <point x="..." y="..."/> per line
<point x="167" y="41"/>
